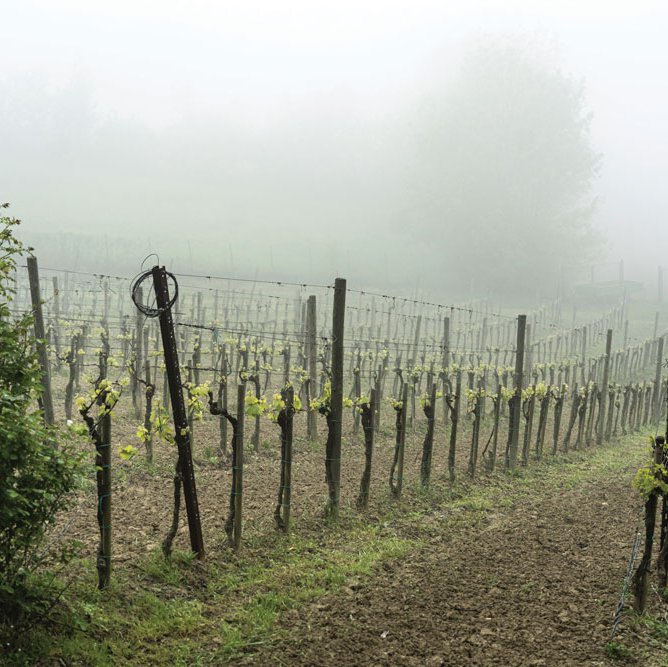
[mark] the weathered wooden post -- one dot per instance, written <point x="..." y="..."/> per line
<point x="416" y="342"/>
<point x="107" y="302"/>
<point x="516" y="400"/>
<point x="604" y="389"/>
<point x="336" y="415"/>
<point x="660" y="284"/>
<point x="182" y="435"/>
<point x="445" y="362"/>
<point x="103" y="464"/>
<point x="56" y="313"/>
<point x="238" y="472"/>
<point x="40" y="340"/>
<point x="311" y="355"/>
<point x="656" y="402"/>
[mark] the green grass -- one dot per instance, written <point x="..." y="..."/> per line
<point x="186" y="612"/>
<point x="618" y="651"/>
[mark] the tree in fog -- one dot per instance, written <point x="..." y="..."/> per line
<point x="506" y="166"/>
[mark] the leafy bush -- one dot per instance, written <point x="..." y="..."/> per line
<point x="35" y="473"/>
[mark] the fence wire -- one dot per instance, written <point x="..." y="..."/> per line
<point x="627" y="578"/>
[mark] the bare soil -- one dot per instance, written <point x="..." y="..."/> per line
<point x="533" y="581"/>
<point x="531" y="584"/>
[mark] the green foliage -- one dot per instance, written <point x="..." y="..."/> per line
<point x="128" y="452"/>
<point x="197" y="395"/>
<point x="506" y="394"/>
<point x="650" y="479"/>
<point x="323" y="404"/>
<point x="617" y="651"/>
<point x="258" y="406"/>
<point x="396" y="403"/>
<point x="35" y="475"/>
<point x="653" y="477"/>
<point x="255" y="407"/>
<point x="160" y="426"/>
<point x="541" y="390"/>
<point x="473" y="397"/>
<point x="425" y="399"/>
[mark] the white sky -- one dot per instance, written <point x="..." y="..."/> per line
<point x="162" y="61"/>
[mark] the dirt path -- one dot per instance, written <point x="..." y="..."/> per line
<point x="533" y="583"/>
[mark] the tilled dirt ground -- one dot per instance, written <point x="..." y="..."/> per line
<point x="534" y="581"/>
<point x="142" y="497"/>
<point x="533" y="584"/>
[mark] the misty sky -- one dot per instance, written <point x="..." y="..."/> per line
<point x="283" y="72"/>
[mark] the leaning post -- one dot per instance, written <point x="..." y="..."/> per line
<point x="182" y="435"/>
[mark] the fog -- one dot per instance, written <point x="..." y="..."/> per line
<point x="461" y="148"/>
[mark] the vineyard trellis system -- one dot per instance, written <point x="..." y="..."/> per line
<point x="353" y="356"/>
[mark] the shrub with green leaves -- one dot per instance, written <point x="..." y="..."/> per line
<point x="652" y="478"/>
<point x="35" y="473"/>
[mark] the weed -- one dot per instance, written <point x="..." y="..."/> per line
<point x="617" y="651"/>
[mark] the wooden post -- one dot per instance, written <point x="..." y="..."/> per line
<point x="338" y="321"/>
<point x="660" y="284"/>
<point x="181" y="436"/>
<point x="657" y="382"/>
<point x="416" y="342"/>
<point x="378" y="387"/>
<point x="56" y="319"/>
<point x="516" y="408"/>
<point x="138" y="340"/>
<point x="583" y="377"/>
<point x="528" y="357"/>
<point x="66" y="293"/>
<point x="46" y="399"/>
<point x="445" y="362"/>
<point x="312" y="350"/>
<point x="239" y="468"/>
<point x="103" y="463"/>
<point x="107" y="301"/>
<point x="603" y="394"/>
<point x="446" y="342"/>
<point x="287" y="494"/>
